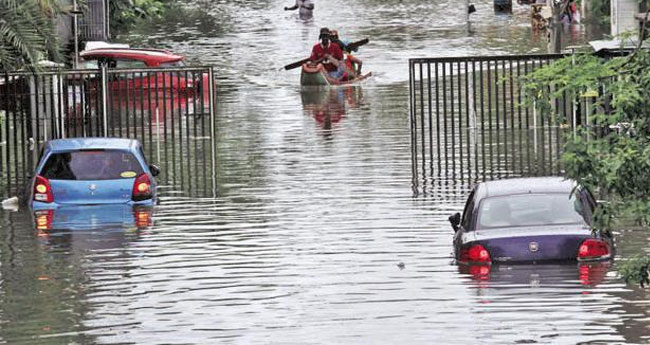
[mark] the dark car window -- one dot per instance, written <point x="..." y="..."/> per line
<point x="530" y="210"/>
<point x="468" y="211"/>
<point x="91" y="165"/>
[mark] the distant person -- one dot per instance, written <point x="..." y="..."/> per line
<point x="328" y="53"/>
<point x="305" y="8"/>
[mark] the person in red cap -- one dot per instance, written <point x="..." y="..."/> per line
<point x="325" y="51"/>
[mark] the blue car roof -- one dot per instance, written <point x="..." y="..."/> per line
<point x="71" y="144"/>
<point x="526" y="185"/>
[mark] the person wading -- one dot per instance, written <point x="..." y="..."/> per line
<point x="306" y="8"/>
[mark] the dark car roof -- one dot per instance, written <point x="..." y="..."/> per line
<point x="526" y="185"/>
<point x="71" y="144"/>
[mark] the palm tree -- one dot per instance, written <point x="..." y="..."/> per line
<point x="27" y="33"/>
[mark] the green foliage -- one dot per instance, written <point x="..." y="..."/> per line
<point x="600" y="10"/>
<point x="27" y="34"/>
<point x="125" y="13"/>
<point x="616" y="164"/>
<point x="637" y="271"/>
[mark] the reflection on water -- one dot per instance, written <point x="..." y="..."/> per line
<point x="589" y="275"/>
<point x="329" y="105"/>
<point x="92" y="217"/>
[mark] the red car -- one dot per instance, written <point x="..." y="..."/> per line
<point x="132" y="58"/>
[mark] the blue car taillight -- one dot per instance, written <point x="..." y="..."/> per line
<point x="142" y="188"/>
<point x="42" y="190"/>
<point x="594" y="249"/>
<point x="475" y="253"/>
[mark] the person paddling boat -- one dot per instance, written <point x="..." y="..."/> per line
<point x="327" y="53"/>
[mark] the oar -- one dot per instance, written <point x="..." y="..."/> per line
<point x="296" y="64"/>
<point x="354" y="45"/>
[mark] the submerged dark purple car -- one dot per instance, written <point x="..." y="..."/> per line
<point x="528" y="220"/>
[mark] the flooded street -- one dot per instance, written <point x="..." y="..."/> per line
<point x="315" y="233"/>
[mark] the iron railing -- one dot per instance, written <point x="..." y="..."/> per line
<point x="171" y="111"/>
<point x="94" y="24"/>
<point x="469" y="120"/>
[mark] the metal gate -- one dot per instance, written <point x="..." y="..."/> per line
<point x="171" y="111"/>
<point x="469" y="122"/>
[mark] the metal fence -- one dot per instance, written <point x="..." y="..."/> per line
<point x="468" y="119"/>
<point x="93" y="25"/>
<point x="171" y="111"/>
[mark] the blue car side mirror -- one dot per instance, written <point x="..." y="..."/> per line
<point x="155" y="171"/>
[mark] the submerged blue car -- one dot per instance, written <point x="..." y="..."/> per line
<point x="92" y="171"/>
<point x="528" y="220"/>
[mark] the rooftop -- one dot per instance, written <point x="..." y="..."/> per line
<point x="159" y="56"/>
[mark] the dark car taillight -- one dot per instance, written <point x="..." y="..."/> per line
<point x="42" y="190"/>
<point x="475" y="253"/>
<point x="141" y="188"/>
<point x="594" y="249"/>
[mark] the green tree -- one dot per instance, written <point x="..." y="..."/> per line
<point x="27" y="33"/>
<point x="125" y="13"/>
<point x="611" y="154"/>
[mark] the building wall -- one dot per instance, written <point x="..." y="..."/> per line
<point x="622" y="19"/>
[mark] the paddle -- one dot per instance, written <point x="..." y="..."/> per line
<point x="352" y="46"/>
<point x="295" y="64"/>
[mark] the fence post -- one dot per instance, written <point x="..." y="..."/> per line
<point x="535" y="127"/>
<point x="213" y="138"/>
<point x="104" y="85"/>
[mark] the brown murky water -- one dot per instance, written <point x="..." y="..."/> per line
<point x="314" y="210"/>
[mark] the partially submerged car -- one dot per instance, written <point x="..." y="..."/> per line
<point x="528" y="220"/>
<point x="92" y="171"/>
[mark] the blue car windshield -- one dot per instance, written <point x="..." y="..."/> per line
<point x="91" y="165"/>
<point x="530" y="210"/>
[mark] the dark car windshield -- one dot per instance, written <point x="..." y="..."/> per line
<point x="91" y="165"/>
<point x="530" y="210"/>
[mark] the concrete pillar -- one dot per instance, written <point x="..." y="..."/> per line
<point x="622" y="18"/>
<point x="586" y="10"/>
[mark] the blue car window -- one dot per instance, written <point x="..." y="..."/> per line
<point x="91" y="165"/>
<point x="530" y="210"/>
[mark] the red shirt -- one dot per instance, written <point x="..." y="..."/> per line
<point x="319" y="52"/>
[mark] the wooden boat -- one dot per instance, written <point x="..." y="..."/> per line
<point x="316" y="75"/>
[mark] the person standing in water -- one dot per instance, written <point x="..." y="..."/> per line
<point x="306" y="8"/>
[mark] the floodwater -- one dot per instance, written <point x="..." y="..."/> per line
<point x="314" y="233"/>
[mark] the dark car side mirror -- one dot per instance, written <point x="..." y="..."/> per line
<point x="455" y="221"/>
<point x="155" y="171"/>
